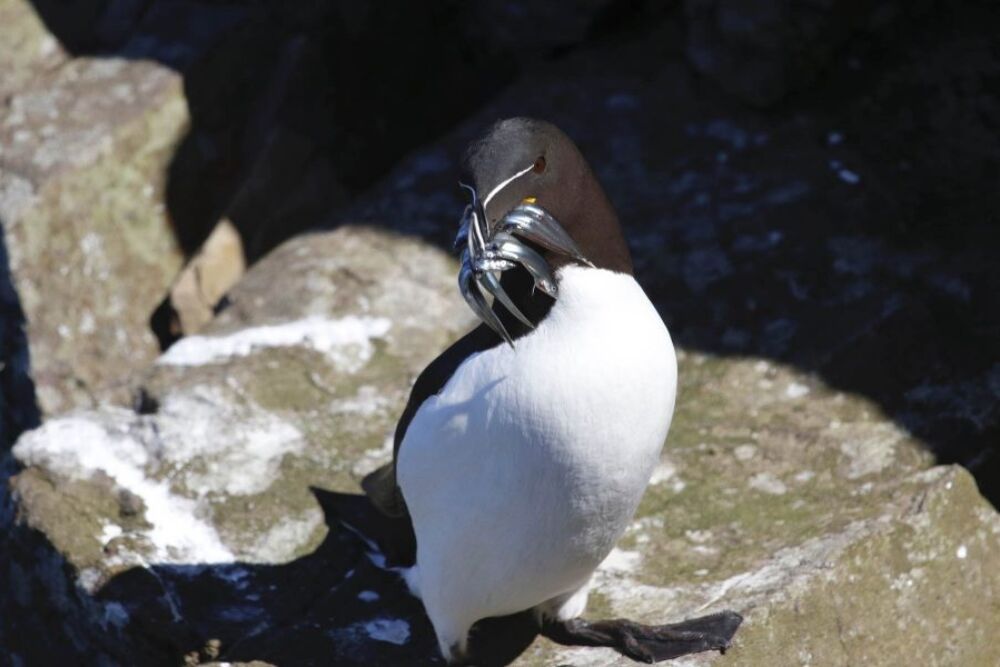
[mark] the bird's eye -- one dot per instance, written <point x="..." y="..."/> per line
<point x="539" y="165"/>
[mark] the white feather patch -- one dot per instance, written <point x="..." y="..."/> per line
<point x="524" y="471"/>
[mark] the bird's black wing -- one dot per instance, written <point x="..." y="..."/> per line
<point x="380" y="486"/>
<point x="397" y="540"/>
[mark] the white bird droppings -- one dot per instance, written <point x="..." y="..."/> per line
<point x="848" y="176"/>
<point x="768" y="483"/>
<point x="77" y="448"/>
<point x="393" y="631"/>
<point x="620" y="560"/>
<point x="804" y="476"/>
<point x="328" y="336"/>
<point x="109" y="532"/>
<point x="663" y="472"/>
<point x="871" y="453"/>
<point x="796" y="390"/>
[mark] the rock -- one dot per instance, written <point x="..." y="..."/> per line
<point x="210" y="274"/>
<point x="790" y="502"/>
<point x="794" y="504"/>
<point x="843" y="566"/>
<point x="27" y="49"/>
<point x="279" y="395"/>
<point x="761" y="51"/>
<point x="276" y="145"/>
<point x="91" y="251"/>
<point x="526" y="32"/>
<point x="926" y="593"/>
<point x="304" y="387"/>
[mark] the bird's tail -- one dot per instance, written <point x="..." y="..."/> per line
<point x="380" y="486"/>
<point x="391" y="541"/>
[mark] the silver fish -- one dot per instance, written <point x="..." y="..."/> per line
<point x="488" y="253"/>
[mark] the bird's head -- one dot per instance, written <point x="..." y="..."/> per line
<point x="535" y="203"/>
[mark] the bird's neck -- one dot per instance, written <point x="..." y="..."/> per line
<point x="585" y="211"/>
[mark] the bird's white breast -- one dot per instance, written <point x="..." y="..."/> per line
<point x="522" y="473"/>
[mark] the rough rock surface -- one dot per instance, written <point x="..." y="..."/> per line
<point x="192" y="524"/>
<point x="835" y="344"/>
<point x="28" y="47"/>
<point x="206" y="279"/>
<point x="275" y="388"/>
<point x="85" y="143"/>
<point x="234" y="429"/>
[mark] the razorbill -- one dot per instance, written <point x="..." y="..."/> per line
<point x="525" y="447"/>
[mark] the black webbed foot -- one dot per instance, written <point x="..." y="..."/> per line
<point x="649" y="643"/>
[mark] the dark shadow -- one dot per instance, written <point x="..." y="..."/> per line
<point x="19" y="412"/>
<point x="18" y="405"/>
<point x="882" y="277"/>
<point x="333" y="606"/>
<point x="851" y="231"/>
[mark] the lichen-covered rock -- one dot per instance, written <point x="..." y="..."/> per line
<point x="795" y="504"/>
<point x="236" y="425"/>
<point x="27" y="48"/>
<point x="842" y="558"/>
<point x="919" y="578"/>
<point x="913" y="572"/>
<point x="295" y="386"/>
<point x="85" y="146"/>
<point x="205" y="280"/>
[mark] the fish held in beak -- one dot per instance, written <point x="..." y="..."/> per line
<point x="490" y="252"/>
